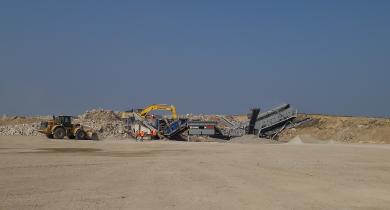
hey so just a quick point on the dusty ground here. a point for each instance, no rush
(36, 173)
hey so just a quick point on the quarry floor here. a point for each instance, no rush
(36, 173)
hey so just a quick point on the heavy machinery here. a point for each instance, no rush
(271, 123)
(266, 124)
(164, 107)
(61, 126)
(138, 119)
(146, 110)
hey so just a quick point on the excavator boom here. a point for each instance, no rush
(165, 107)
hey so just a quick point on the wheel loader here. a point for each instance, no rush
(61, 126)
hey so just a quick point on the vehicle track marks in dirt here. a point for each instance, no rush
(100, 152)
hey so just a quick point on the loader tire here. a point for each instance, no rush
(94, 137)
(80, 134)
(59, 133)
(49, 136)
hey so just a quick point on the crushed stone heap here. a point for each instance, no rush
(20, 130)
(100, 115)
(106, 123)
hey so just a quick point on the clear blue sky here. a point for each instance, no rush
(203, 56)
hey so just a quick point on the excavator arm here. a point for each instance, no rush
(164, 107)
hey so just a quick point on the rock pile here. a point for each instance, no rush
(99, 115)
(105, 122)
(20, 130)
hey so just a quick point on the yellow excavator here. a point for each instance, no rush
(165, 107)
(146, 110)
(137, 120)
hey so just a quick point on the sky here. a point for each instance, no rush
(223, 57)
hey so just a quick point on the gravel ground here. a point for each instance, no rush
(36, 173)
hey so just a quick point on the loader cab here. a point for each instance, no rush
(66, 121)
